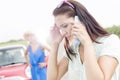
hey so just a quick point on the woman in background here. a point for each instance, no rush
(35, 56)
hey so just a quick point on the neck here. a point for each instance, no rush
(34, 42)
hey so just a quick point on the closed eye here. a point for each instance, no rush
(64, 26)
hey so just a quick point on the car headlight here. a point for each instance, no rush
(28, 72)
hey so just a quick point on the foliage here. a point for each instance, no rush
(13, 42)
(114, 30)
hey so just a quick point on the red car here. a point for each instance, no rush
(13, 65)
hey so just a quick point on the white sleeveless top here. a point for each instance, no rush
(110, 46)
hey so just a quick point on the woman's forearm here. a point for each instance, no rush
(27, 60)
(92, 67)
(52, 63)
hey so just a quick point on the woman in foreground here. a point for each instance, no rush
(91, 52)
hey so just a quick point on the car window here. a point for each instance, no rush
(12, 56)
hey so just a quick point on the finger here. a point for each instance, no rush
(74, 34)
(75, 26)
(78, 25)
(53, 27)
(54, 30)
(75, 30)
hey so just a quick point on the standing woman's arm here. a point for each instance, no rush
(46, 48)
(26, 56)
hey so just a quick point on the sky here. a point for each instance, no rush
(19, 16)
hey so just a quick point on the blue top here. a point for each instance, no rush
(35, 58)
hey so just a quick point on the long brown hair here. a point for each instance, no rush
(92, 26)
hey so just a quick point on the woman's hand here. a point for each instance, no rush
(56, 35)
(79, 31)
(29, 65)
(41, 65)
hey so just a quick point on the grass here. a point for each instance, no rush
(13, 42)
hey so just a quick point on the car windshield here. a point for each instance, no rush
(12, 56)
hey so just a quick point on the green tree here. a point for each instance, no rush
(114, 30)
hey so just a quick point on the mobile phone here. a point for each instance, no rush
(77, 19)
(75, 45)
(77, 41)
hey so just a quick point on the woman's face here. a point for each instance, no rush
(29, 37)
(64, 24)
